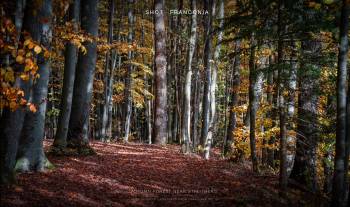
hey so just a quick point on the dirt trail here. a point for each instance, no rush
(143, 175)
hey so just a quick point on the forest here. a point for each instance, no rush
(177, 103)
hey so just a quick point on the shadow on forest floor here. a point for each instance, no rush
(147, 175)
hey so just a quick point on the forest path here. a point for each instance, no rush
(143, 175)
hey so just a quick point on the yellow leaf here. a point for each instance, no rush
(24, 77)
(46, 54)
(30, 45)
(37, 49)
(20, 59)
(27, 42)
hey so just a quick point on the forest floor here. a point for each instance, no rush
(148, 175)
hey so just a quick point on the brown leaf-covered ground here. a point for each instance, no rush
(148, 175)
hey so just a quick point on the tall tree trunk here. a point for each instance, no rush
(70, 58)
(196, 107)
(234, 98)
(304, 169)
(283, 177)
(160, 109)
(205, 142)
(78, 132)
(186, 118)
(290, 104)
(128, 82)
(269, 115)
(31, 154)
(108, 77)
(340, 172)
(11, 122)
(255, 81)
(214, 71)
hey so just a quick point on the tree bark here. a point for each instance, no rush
(11, 122)
(108, 79)
(255, 81)
(31, 154)
(70, 58)
(160, 108)
(128, 81)
(78, 131)
(304, 169)
(186, 117)
(205, 139)
(340, 172)
(234, 99)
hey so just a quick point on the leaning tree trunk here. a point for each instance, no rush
(340, 173)
(186, 117)
(160, 108)
(31, 154)
(70, 60)
(83, 85)
(11, 122)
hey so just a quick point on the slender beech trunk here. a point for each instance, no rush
(107, 77)
(214, 71)
(196, 107)
(290, 104)
(31, 154)
(254, 79)
(283, 176)
(128, 82)
(78, 132)
(205, 142)
(304, 169)
(160, 109)
(340, 173)
(269, 115)
(234, 99)
(70, 60)
(186, 118)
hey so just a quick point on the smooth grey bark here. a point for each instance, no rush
(31, 154)
(196, 107)
(11, 122)
(128, 81)
(160, 108)
(342, 135)
(205, 142)
(290, 104)
(214, 71)
(281, 87)
(78, 131)
(108, 79)
(70, 61)
(304, 169)
(255, 90)
(148, 105)
(234, 99)
(186, 117)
